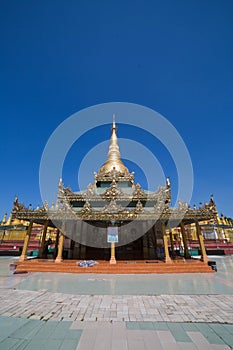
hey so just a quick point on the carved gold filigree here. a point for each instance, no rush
(139, 207)
(139, 192)
(113, 207)
(112, 193)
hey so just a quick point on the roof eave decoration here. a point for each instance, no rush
(117, 212)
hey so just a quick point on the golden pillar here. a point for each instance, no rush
(60, 248)
(23, 256)
(200, 237)
(165, 242)
(41, 250)
(113, 258)
(184, 238)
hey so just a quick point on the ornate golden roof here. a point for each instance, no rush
(113, 161)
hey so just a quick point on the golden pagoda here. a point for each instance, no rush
(143, 223)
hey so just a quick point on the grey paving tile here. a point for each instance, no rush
(161, 326)
(44, 331)
(220, 347)
(179, 333)
(9, 344)
(167, 340)
(27, 330)
(73, 334)
(60, 331)
(135, 340)
(223, 333)
(69, 344)
(151, 340)
(8, 325)
(229, 327)
(200, 341)
(103, 339)
(186, 346)
(146, 325)
(192, 327)
(39, 344)
(87, 340)
(210, 334)
(119, 334)
(133, 325)
(119, 344)
(22, 344)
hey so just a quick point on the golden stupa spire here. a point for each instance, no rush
(113, 121)
(114, 152)
(114, 158)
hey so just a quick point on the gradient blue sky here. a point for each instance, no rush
(58, 57)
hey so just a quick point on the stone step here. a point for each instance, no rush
(119, 268)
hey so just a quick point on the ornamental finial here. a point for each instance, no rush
(113, 122)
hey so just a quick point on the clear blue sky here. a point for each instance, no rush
(58, 57)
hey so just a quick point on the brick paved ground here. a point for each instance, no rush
(43, 305)
(33, 319)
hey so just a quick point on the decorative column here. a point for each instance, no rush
(184, 238)
(200, 237)
(23, 256)
(165, 242)
(60, 248)
(113, 259)
(41, 250)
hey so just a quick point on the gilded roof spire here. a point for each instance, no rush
(114, 152)
(114, 158)
(113, 121)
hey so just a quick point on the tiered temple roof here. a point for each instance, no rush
(115, 196)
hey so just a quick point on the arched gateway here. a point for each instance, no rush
(115, 219)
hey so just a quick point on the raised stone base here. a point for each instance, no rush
(121, 267)
(23, 258)
(112, 261)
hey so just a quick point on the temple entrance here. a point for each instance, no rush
(93, 253)
(130, 251)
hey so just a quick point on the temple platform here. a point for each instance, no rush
(121, 267)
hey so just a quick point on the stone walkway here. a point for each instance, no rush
(43, 305)
(72, 312)
(29, 334)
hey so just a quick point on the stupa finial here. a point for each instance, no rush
(113, 122)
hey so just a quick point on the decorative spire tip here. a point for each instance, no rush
(113, 122)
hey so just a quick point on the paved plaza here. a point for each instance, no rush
(90, 312)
